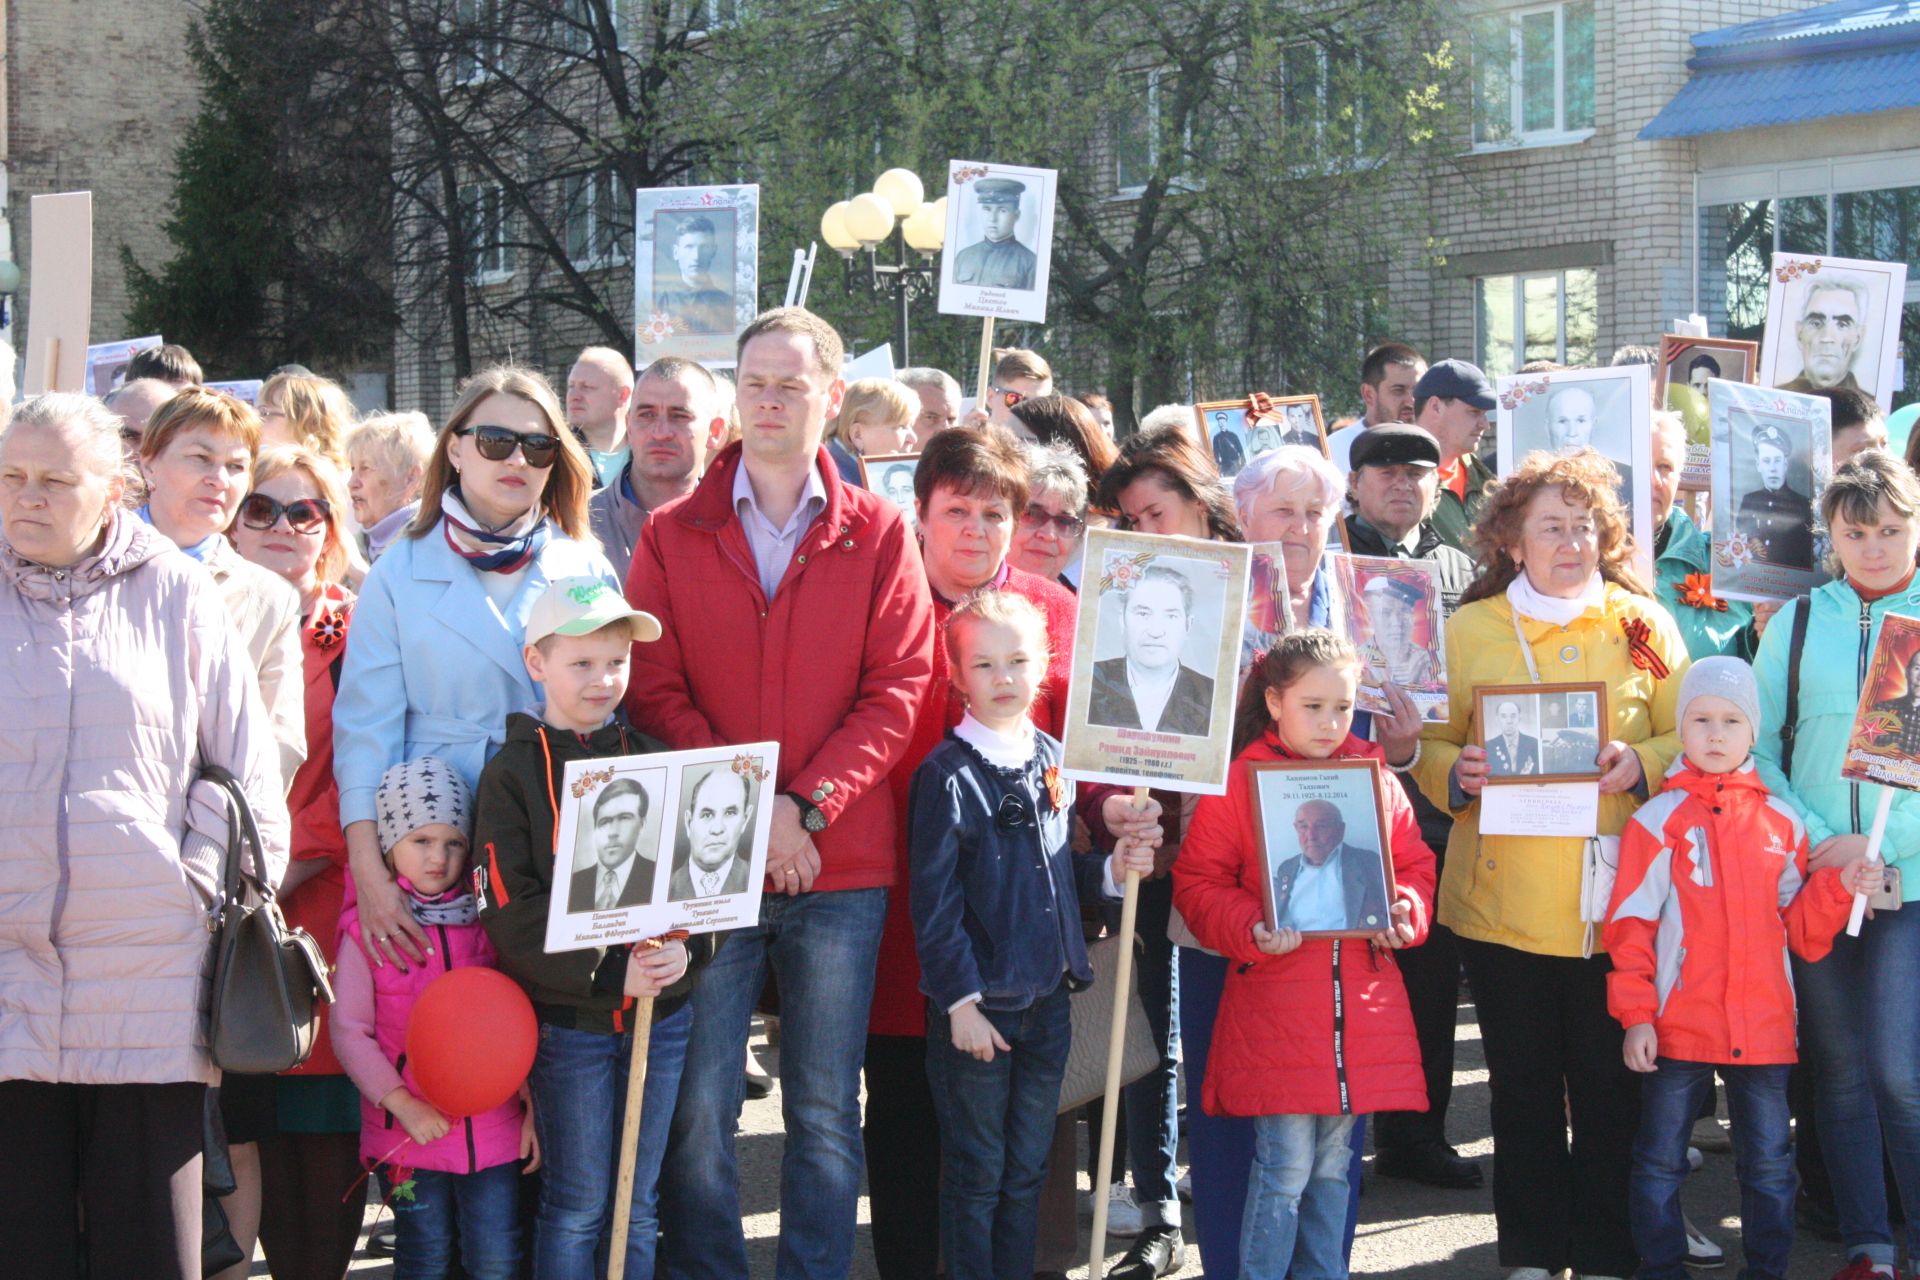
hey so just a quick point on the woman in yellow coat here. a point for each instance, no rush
(1557, 600)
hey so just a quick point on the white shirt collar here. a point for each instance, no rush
(813, 500)
(1002, 750)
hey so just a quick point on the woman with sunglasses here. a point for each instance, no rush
(435, 665)
(290, 525)
(1052, 529)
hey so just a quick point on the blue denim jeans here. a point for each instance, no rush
(1670, 1100)
(479, 1210)
(996, 1127)
(1297, 1199)
(579, 1085)
(1152, 1103)
(823, 948)
(1860, 1037)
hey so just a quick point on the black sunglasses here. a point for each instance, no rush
(304, 515)
(1064, 525)
(496, 444)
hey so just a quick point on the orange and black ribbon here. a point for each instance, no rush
(1639, 650)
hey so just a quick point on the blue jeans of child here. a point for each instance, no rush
(1670, 1101)
(479, 1210)
(1297, 1201)
(823, 948)
(996, 1126)
(579, 1085)
(1860, 1037)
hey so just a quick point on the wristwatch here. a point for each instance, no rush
(810, 816)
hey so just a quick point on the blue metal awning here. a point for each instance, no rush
(1841, 59)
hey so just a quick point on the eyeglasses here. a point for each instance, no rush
(1013, 397)
(496, 444)
(304, 515)
(1037, 517)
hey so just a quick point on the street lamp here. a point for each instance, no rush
(895, 210)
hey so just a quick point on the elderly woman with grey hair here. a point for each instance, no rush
(1292, 496)
(1048, 540)
(387, 459)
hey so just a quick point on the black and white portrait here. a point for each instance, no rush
(1161, 626)
(713, 853)
(1513, 738)
(998, 259)
(891, 476)
(1223, 426)
(999, 241)
(1771, 476)
(1832, 322)
(614, 858)
(696, 267)
(1540, 733)
(1323, 845)
(693, 269)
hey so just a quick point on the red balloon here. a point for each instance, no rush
(470, 1041)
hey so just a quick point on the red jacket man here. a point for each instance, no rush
(795, 609)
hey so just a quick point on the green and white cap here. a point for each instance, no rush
(581, 606)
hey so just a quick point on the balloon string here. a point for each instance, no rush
(368, 1173)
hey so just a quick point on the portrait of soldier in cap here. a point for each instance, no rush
(687, 288)
(1392, 653)
(998, 261)
(1776, 517)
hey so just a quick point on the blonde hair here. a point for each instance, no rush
(872, 400)
(340, 560)
(1018, 362)
(317, 410)
(1006, 608)
(225, 415)
(569, 479)
(399, 442)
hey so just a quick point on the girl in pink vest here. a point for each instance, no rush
(451, 1179)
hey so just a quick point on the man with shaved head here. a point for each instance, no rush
(598, 387)
(135, 402)
(1331, 884)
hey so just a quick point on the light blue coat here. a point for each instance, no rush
(1837, 649)
(432, 667)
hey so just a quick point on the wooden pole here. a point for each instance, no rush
(52, 380)
(1874, 839)
(1116, 1043)
(985, 378)
(630, 1137)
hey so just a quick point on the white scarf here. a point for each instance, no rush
(1529, 603)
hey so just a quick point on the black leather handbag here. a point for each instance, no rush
(268, 980)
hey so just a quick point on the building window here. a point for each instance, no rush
(1145, 140)
(577, 23)
(596, 236)
(483, 211)
(1321, 102)
(477, 38)
(711, 15)
(1541, 315)
(1533, 75)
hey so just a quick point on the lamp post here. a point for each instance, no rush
(896, 210)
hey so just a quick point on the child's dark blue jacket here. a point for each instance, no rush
(995, 889)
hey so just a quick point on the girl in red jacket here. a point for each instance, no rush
(1315, 1031)
(1711, 892)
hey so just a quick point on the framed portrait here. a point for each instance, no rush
(1833, 322)
(999, 241)
(1885, 745)
(1238, 431)
(107, 362)
(1394, 616)
(1542, 732)
(1326, 866)
(648, 844)
(1223, 426)
(1772, 454)
(1268, 612)
(247, 389)
(1609, 410)
(891, 476)
(1159, 632)
(1680, 380)
(696, 268)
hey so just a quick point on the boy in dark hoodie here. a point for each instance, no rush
(579, 638)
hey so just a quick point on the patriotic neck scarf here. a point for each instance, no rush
(455, 905)
(507, 550)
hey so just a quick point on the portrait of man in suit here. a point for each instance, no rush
(619, 877)
(712, 860)
(1149, 687)
(1330, 885)
(1511, 753)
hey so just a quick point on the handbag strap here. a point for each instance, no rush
(1796, 645)
(242, 833)
(1526, 650)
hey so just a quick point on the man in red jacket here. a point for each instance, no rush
(794, 609)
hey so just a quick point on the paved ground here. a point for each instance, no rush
(1405, 1230)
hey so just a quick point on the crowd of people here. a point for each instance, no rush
(397, 636)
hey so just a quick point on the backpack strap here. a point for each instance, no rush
(1796, 645)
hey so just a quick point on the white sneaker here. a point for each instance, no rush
(1701, 1252)
(1184, 1187)
(1694, 1159)
(1123, 1215)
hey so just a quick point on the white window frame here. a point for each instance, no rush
(489, 264)
(479, 60)
(1356, 154)
(1559, 135)
(574, 17)
(1124, 191)
(601, 193)
(704, 17)
(1519, 317)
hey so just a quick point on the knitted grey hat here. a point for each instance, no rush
(1720, 677)
(417, 793)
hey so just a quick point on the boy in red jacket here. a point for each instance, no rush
(1712, 889)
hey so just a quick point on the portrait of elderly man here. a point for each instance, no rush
(1330, 884)
(1149, 687)
(1830, 330)
(998, 260)
(1511, 753)
(1776, 517)
(1392, 654)
(694, 296)
(1571, 415)
(713, 860)
(618, 877)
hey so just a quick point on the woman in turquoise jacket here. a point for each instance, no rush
(1859, 1022)
(433, 667)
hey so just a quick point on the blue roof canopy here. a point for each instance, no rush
(1846, 58)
